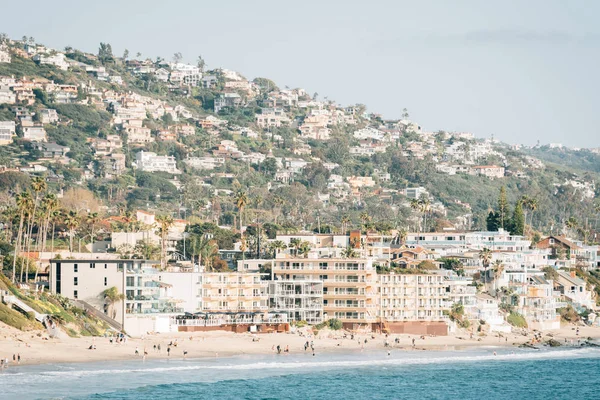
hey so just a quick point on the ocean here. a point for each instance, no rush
(473, 374)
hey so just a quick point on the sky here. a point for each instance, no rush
(521, 71)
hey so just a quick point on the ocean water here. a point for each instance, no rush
(478, 374)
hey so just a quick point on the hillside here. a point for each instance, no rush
(82, 121)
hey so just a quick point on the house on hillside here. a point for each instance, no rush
(575, 289)
(48, 116)
(35, 133)
(561, 247)
(52, 150)
(231, 100)
(7, 131)
(490, 171)
(151, 162)
(4, 54)
(57, 59)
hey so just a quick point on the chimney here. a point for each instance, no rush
(573, 274)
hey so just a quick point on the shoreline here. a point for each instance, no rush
(39, 350)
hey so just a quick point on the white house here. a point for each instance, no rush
(34, 133)
(7, 131)
(58, 60)
(151, 162)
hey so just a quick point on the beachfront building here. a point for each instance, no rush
(575, 290)
(150, 297)
(537, 300)
(234, 292)
(412, 303)
(300, 300)
(349, 285)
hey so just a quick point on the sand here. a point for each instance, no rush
(36, 348)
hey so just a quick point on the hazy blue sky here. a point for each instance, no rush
(521, 70)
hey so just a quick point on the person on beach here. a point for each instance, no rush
(184, 354)
(278, 349)
(158, 347)
(137, 352)
(168, 351)
(19, 358)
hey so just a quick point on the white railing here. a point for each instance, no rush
(224, 321)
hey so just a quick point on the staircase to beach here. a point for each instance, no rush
(13, 301)
(98, 314)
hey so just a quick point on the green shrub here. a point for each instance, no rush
(516, 320)
(335, 324)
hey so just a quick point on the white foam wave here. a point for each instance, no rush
(311, 365)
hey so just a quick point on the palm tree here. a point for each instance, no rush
(414, 204)
(345, 221)
(402, 236)
(164, 224)
(424, 207)
(485, 256)
(71, 222)
(241, 200)
(207, 252)
(349, 252)
(49, 205)
(277, 246)
(278, 201)
(572, 224)
(295, 244)
(304, 249)
(111, 297)
(498, 270)
(92, 219)
(38, 185)
(23, 204)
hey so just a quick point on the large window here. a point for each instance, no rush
(75, 281)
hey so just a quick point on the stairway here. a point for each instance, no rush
(13, 301)
(98, 314)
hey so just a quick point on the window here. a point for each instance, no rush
(75, 268)
(75, 281)
(105, 266)
(105, 281)
(75, 294)
(92, 265)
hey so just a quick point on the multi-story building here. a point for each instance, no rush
(300, 300)
(349, 285)
(412, 299)
(234, 292)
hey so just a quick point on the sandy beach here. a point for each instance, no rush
(36, 348)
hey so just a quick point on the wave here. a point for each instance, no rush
(370, 362)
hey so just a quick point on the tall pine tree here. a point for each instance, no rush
(503, 210)
(518, 220)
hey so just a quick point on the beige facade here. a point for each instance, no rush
(349, 285)
(412, 297)
(234, 292)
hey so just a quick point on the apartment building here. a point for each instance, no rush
(349, 285)
(300, 300)
(413, 298)
(235, 292)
